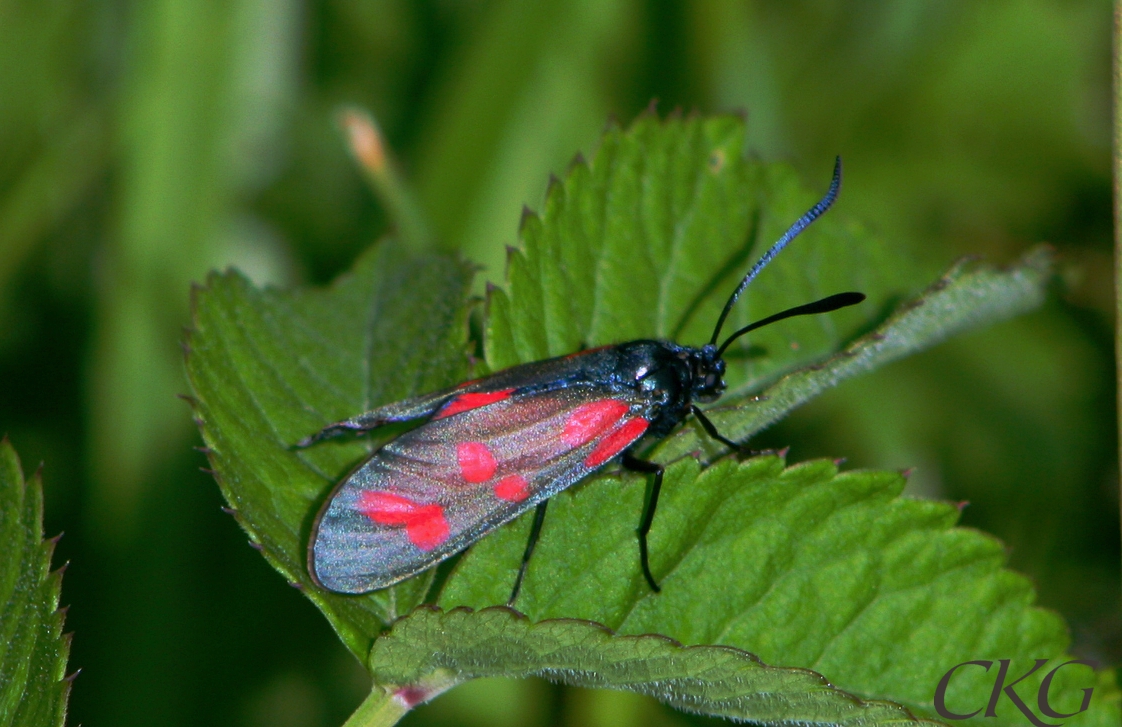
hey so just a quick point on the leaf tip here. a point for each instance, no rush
(511, 253)
(528, 214)
(197, 290)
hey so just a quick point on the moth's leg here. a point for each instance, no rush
(711, 430)
(635, 464)
(535, 532)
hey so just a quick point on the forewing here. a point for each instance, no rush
(440, 487)
(537, 375)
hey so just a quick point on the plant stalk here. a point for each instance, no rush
(379, 709)
(368, 147)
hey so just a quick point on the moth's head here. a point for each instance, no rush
(708, 374)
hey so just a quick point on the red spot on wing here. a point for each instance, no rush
(425, 525)
(429, 532)
(512, 488)
(477, 464)
(467, 402)
(591, 420)
(616, 442)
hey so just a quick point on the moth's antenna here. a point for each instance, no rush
(832, 303)
(800, 224)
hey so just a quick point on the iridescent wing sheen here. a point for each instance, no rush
(482, 460)
(536, 375)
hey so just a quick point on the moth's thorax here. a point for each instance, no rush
(671, 376)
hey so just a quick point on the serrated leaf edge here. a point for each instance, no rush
(572, 676)
(46, 579)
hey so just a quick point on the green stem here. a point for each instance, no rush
(386, 705)
(368, 147)
(380, 709)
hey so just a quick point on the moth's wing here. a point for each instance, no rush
(468, 395)
(398, 411)
(442, 486)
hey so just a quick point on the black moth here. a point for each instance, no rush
(495, 447)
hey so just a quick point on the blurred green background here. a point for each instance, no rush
(143, 143)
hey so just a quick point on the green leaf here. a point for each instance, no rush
(804, 566)
(269, 367)
(967, 296)
(702, 679)
(651, 237)
(33, 650)
(605, 262)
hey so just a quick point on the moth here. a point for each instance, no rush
(495, 447)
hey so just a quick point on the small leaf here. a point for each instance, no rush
(267, 368)
(703, 679)
(33, 650)
(967, 296)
